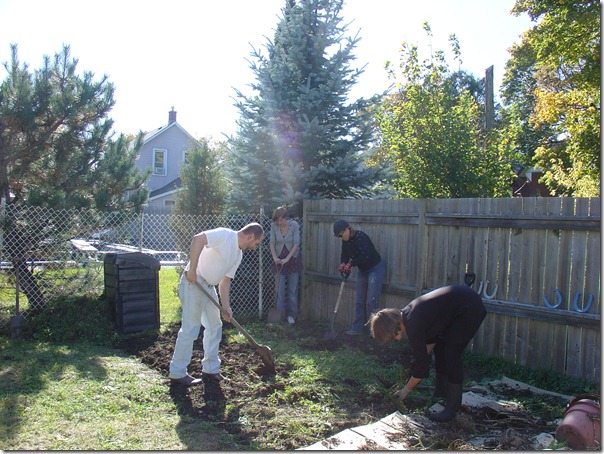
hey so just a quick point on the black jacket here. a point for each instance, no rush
(449, 314)
(360, 251)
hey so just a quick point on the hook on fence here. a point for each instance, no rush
(492, 295)
(479, 291)
(469, 279)
(558, 300)
(590, 299)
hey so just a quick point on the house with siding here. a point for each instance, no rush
(527, 184)
(163, 152)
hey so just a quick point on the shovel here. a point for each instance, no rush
(331, 334)
(263, 350)
(274, 314)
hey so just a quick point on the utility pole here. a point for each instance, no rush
(489, 102)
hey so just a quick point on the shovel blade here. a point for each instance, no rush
(267, 357)
(331, 334)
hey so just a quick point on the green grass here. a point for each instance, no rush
(314, 392)
(493, 368)
(74, 397)
(168, 296)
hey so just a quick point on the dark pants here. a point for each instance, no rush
(447, 354)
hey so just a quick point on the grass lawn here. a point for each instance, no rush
(84, 397)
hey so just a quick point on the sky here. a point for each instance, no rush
(192, 54)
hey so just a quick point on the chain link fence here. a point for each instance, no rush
(49, 255)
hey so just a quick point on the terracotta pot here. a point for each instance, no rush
(580, 427)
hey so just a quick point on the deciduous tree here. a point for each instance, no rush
(433, 128)
(552, 88)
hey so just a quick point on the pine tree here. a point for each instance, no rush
(298, 135)
(56, 144)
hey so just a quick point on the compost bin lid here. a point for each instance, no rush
(134, 257)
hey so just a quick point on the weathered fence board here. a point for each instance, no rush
(525, 247)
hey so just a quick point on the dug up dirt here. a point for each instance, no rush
(490, 419)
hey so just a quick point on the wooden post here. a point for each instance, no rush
(489, 101)
(422, 237)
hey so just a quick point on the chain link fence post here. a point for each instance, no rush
(141, 230)
(260, 266)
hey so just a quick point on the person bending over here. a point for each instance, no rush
(444, 321)
(214, 257)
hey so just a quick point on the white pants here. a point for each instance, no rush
(197, 310)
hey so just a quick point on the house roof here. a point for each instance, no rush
(156, 132)
(172, 186)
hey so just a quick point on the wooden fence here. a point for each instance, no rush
(536, 259)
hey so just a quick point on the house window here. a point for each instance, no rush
(160, 162)
(169, 203)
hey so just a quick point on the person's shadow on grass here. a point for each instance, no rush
(206, 401)
(197, 406)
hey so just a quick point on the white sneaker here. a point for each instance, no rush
(291, 320)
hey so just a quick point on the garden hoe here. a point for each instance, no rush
(331, 334)
(274, 314)
(263, 350)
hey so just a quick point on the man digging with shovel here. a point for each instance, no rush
(444, 321)
(214, 257)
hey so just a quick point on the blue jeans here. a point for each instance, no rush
(368, 289)
(287, 304)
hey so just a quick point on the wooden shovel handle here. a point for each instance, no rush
(233, 321)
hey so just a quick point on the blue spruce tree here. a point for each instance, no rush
(298, 135)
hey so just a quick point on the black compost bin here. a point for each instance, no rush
(132, 288)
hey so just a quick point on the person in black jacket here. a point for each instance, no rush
(444, 321)
(359, 251)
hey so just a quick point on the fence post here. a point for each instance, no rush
(260, 267)
(140, 233)
(422, 241)
(2, 219)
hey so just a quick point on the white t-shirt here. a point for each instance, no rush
(220, 257)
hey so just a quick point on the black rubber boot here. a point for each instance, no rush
(453, 404)
(441, 385)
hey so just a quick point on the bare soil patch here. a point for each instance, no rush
(224, 404)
